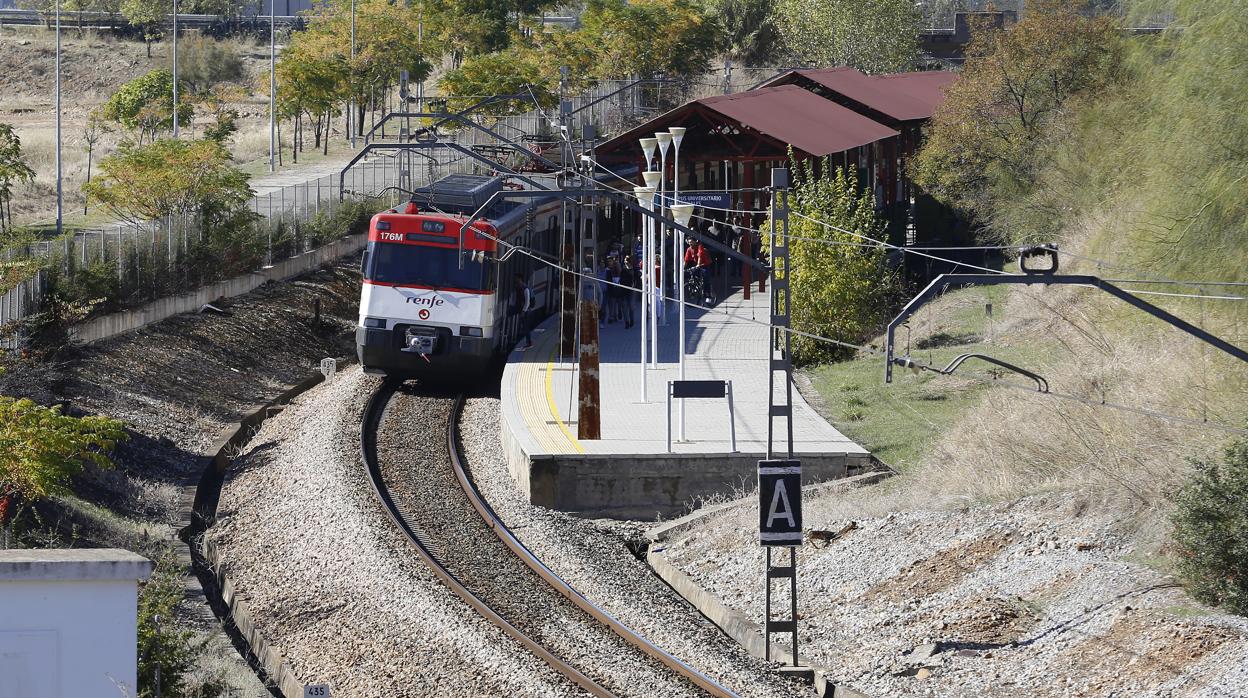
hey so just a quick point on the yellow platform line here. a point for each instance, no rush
(550, 401)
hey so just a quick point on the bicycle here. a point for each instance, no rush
(696, 287)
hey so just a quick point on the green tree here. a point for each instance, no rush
(13, 170)
(874, 36)
(747, 30)
(146, 104)
(143, 183)
(1211, 530)
(41, 449)
(648, 37)
(147, 15)
(984, 146)
(312, 79)
(840, 288)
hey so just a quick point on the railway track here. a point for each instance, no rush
(410, 445)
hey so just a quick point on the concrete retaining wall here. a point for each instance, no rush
(126, 320)
(641, 486)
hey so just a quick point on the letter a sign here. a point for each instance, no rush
(780, 502)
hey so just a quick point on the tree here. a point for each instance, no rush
(91, 137)
(647, 37)
(985, 139)
(840, 289)
(514, 70)
(147, 15)
(1211, 530)
(874, 36)
(41, 449)
(13, 170)
(146, 104)
(144, 183)
(747, 30)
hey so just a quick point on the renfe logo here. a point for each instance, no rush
(390, 237)
(427, 301)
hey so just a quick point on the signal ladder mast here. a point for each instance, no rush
(779, 480)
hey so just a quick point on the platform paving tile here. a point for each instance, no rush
(730, 344)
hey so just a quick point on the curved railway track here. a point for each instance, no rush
(497, 575)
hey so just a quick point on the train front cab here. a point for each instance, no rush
(422, 316)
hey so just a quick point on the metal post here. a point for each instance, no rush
(780, 342)
(678, 261)
(642, 277)
(663, 205)
(732, 419)
(60, 224)
(351, 105)
(175, 68)
(272, 86)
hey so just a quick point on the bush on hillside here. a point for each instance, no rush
(1211, 530)
(204, 62)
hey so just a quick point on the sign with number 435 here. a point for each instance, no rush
(318, 690)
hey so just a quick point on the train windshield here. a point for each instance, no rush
(418, 265)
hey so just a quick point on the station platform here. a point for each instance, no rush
(629, 473)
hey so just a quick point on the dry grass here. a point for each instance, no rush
(1013, 443)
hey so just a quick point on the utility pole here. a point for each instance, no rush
(351, 98)
(175, 68)
(589, 414)
(60, 219)
(272, 86)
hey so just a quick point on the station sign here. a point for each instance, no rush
(704, 199)
(780, 502)
(318, 690)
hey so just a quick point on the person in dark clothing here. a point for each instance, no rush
(628, 279)
(521, 306)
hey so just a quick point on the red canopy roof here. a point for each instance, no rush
(800, 118)
(901, 96)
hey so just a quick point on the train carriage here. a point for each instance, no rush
(423, 314)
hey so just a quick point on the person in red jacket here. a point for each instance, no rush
(698, 263)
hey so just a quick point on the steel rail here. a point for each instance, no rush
(554, 580)
(370, 423)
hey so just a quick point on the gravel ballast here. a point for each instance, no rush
(334, 584)
(1040, 596)
(418, 473)
(592, 556)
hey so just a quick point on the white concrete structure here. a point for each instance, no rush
(68, 623)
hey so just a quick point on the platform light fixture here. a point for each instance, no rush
(665, 142)
(645, 199)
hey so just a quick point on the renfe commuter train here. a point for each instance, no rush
(422, 315)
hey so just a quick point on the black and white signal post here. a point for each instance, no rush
(780, 480)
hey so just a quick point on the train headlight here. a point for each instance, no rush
(466, 331)
(375, 322)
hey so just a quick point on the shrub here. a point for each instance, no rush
(146, 104)
(204, 62)
(1211, 530)
(163, 646)
(41, 449)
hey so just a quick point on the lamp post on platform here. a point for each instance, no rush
(652, 181)
(647, 149)
(678, 261)
(645, 199)
(682, 213)
(665, 141)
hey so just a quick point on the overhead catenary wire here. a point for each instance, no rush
(1217, 426)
